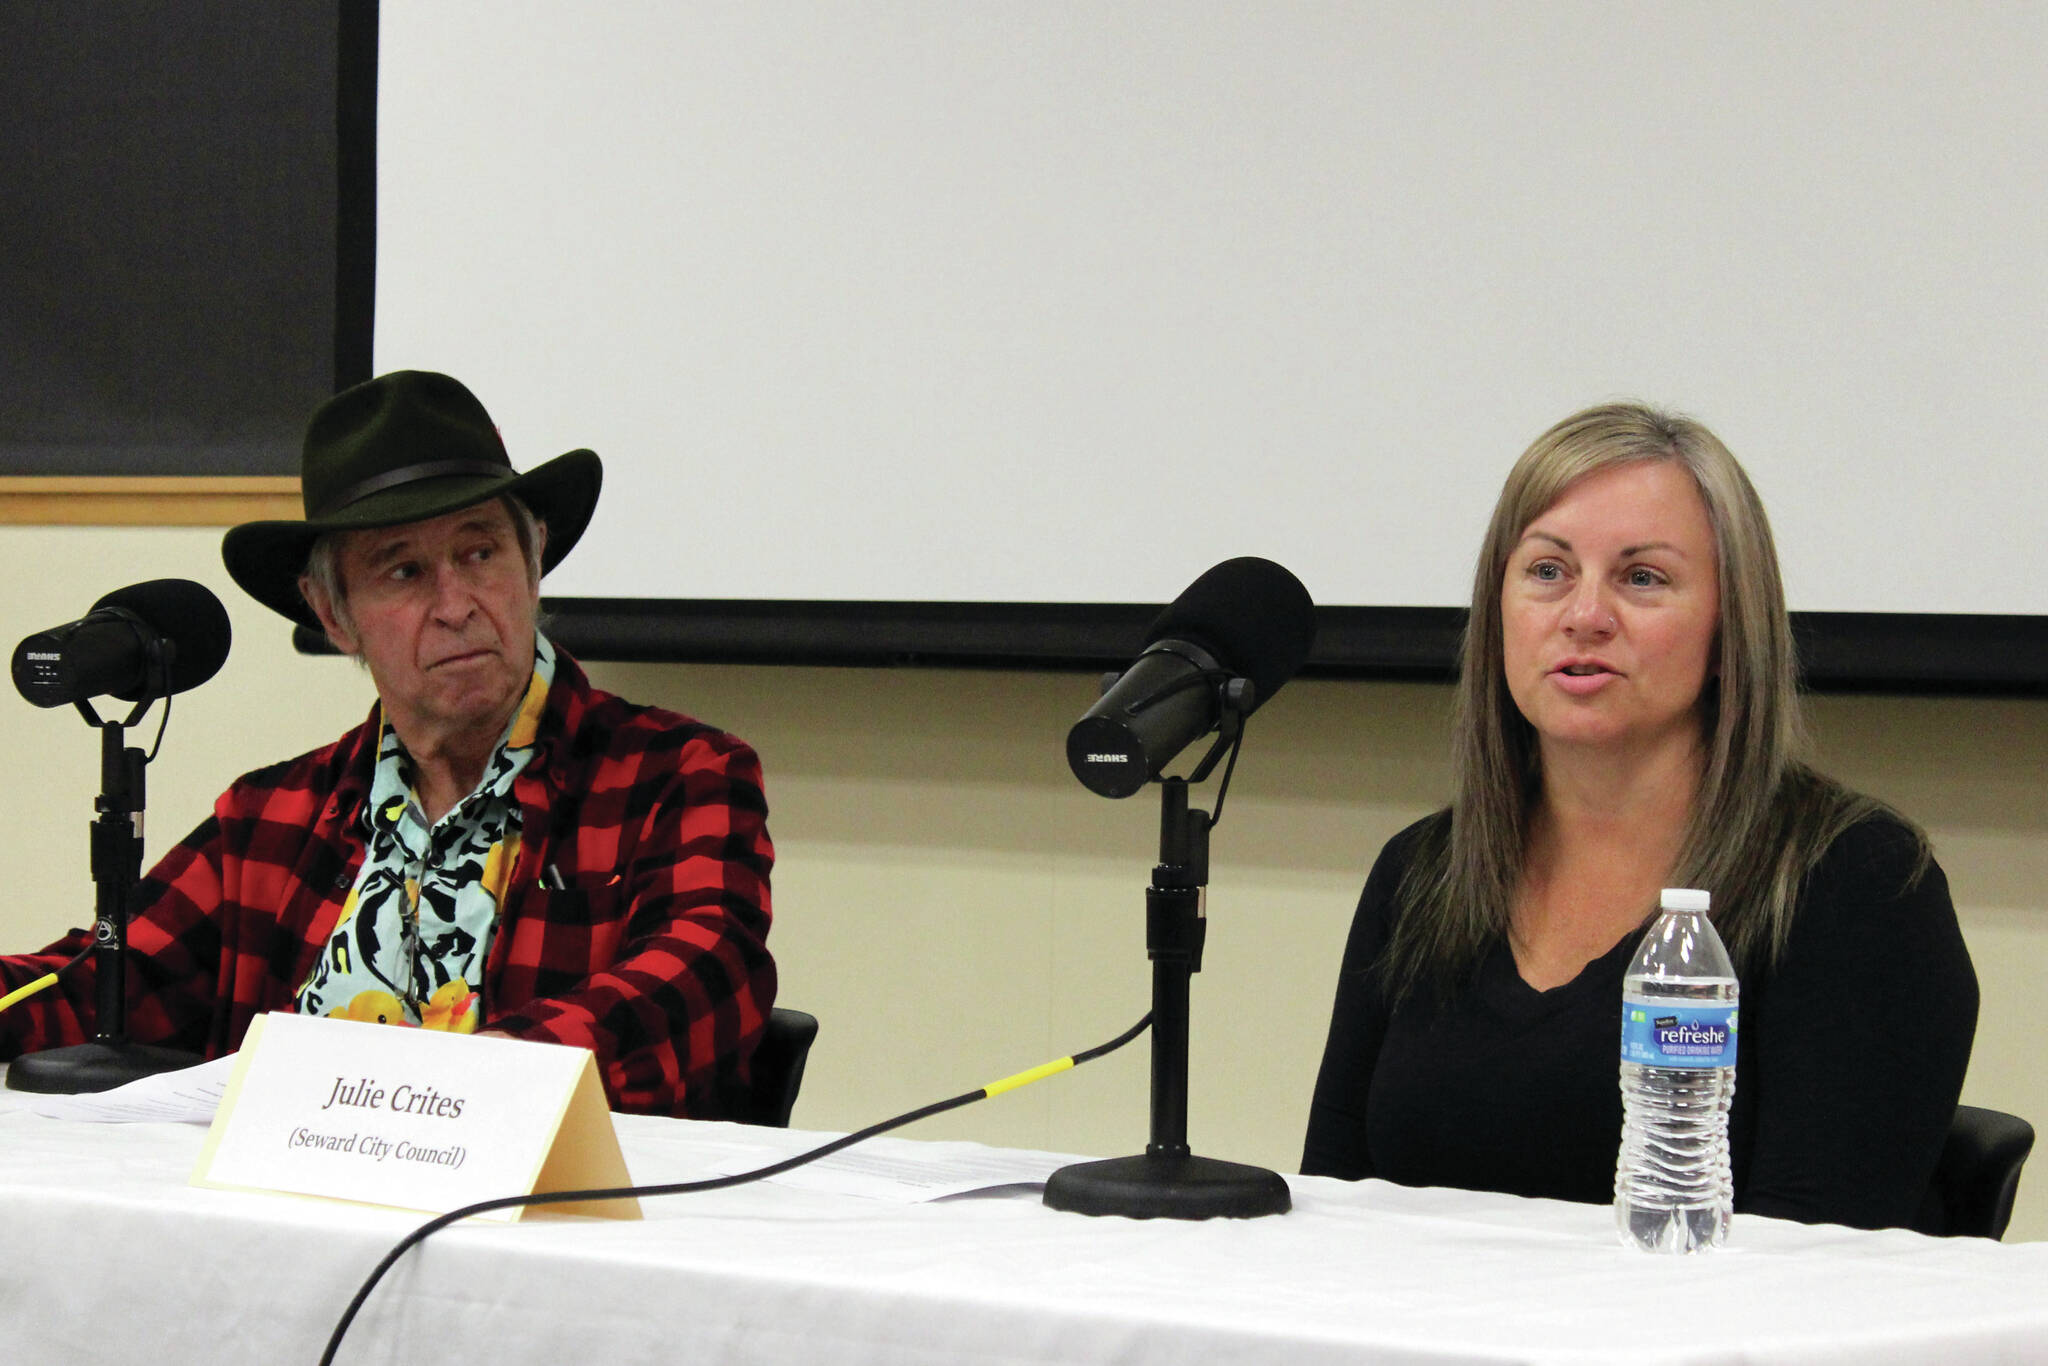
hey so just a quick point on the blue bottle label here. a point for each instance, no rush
(1658, 1034)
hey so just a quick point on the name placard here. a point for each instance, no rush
(414, 1118)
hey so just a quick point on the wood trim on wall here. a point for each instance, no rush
(185, 500)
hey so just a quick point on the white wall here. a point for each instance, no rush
(1100, 280)
(955, 907)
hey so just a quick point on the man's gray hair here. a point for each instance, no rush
(323, 562)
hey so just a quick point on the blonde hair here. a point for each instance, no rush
(1762, 816)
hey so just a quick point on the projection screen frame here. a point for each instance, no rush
(1895, 653)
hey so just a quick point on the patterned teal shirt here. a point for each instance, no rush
(410, 946)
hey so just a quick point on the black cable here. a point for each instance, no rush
(1229, 767)
(435, 1225)
(162, 724)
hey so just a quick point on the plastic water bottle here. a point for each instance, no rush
(1673, 1188)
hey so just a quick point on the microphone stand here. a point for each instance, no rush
(1167, 1180)
(110, 1059)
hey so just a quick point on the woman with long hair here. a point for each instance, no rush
(1628, 719)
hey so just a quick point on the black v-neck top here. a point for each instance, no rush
(1851, 1058)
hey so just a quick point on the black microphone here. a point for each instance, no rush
(1246, 618)
(147, 640)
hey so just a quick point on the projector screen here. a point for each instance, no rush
(1063, 303)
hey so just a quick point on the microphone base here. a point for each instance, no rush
(1168, 1186)
(90, 1067)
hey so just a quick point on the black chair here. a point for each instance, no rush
(778, 1069)
(1978, 1175)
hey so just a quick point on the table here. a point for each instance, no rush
(109, 1256)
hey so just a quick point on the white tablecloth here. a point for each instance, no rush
(110, 1256)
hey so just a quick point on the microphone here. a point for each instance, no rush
(145, 641)
(1246, 618)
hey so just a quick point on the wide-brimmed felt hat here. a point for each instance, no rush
(404, 447)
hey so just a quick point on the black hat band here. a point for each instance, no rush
(432, 469)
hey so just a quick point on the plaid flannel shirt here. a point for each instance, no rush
(651, 953)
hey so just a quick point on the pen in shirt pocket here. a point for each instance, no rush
(552, 878)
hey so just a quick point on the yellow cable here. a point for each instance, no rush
(22, 994)
(1027, 1076)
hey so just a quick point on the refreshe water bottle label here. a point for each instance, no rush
(1658, 1034)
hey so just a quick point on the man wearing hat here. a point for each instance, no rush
(500, 847)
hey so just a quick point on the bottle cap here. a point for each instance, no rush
(1684, 899)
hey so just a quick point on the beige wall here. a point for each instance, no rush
(955, 907)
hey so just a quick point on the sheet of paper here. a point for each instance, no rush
(187, 1096)
(907, 1173)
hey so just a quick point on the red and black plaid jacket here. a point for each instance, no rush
(651, 953)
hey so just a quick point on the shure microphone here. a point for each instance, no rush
(1246, 618)
(148, 640)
